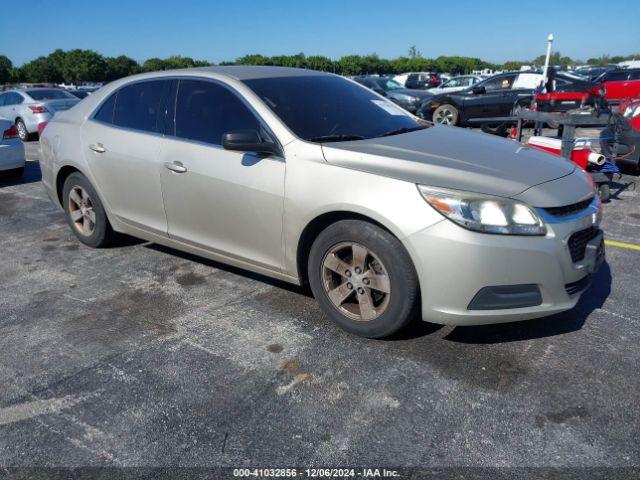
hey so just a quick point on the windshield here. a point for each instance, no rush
(330, 108)
(388, 84)
(49, 94)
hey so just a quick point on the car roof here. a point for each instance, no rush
(251, 72)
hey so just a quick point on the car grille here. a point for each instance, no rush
(579, 286)
(569, 209)
(578, 242)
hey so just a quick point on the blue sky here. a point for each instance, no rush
(224, 30)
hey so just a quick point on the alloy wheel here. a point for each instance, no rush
(444, 116)
(356, 281)
(81, 211)
(22, 131)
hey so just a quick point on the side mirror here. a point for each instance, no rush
(478, 90)
(248, 141)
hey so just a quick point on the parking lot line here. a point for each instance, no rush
(614, 243)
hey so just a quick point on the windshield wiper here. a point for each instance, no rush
(335, 138)
(398, 131)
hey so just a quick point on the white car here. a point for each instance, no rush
(455, 84)
(12, 157)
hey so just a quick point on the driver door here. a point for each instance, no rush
(226, 202)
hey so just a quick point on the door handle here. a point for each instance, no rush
(176, 167)
(97, 147)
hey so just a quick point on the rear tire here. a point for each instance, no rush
(23, 133)
(85, 214)
(363, 279)
(446, 115)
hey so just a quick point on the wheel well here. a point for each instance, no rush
(313, 229)
(61, 178)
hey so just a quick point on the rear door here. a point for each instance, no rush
(226, 202)
(121, 143)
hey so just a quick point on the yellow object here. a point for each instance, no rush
(614, 243)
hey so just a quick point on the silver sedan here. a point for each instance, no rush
(28, 108)
(313, 179)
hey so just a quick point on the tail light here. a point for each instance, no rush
(38, 109)
(11, 132)
(41, 126)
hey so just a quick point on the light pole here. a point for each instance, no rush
(546, 60)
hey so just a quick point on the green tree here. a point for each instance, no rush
(153, 65)
(119, 67)
(414, 52)
(5, 69)
(253, 59)
(318, 62)
(556, 59)
(41, 70)
(513, 65)
(83, 66)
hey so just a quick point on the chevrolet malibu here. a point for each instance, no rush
(313, 179)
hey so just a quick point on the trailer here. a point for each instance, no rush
(568, 146)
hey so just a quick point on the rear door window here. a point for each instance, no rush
(635, 75)
(138, 106)
(206, 110)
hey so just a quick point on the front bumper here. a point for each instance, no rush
(455, 264)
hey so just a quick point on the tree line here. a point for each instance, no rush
(73, 66)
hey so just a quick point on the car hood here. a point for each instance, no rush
(460, 159)
(414, 92)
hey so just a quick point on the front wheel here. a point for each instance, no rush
(605, 192)
(363, 278)
(446, 115)
(85, 214)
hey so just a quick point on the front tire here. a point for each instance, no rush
(446, 115)
(85, 214)
(605, 192)
(363, 278)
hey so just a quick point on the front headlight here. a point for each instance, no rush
(484, 213)
(406, 98)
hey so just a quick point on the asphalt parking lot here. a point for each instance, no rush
(143, 356)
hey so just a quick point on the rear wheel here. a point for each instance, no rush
(23, 133)
(446, 115)
(363, 278)
(85, 213)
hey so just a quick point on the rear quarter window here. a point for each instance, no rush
(138, 106)
(105, 112)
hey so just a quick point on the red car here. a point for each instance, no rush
(620, 84)
(569, 92)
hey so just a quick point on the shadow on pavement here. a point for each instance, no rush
(31, 174)
(228, 268)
